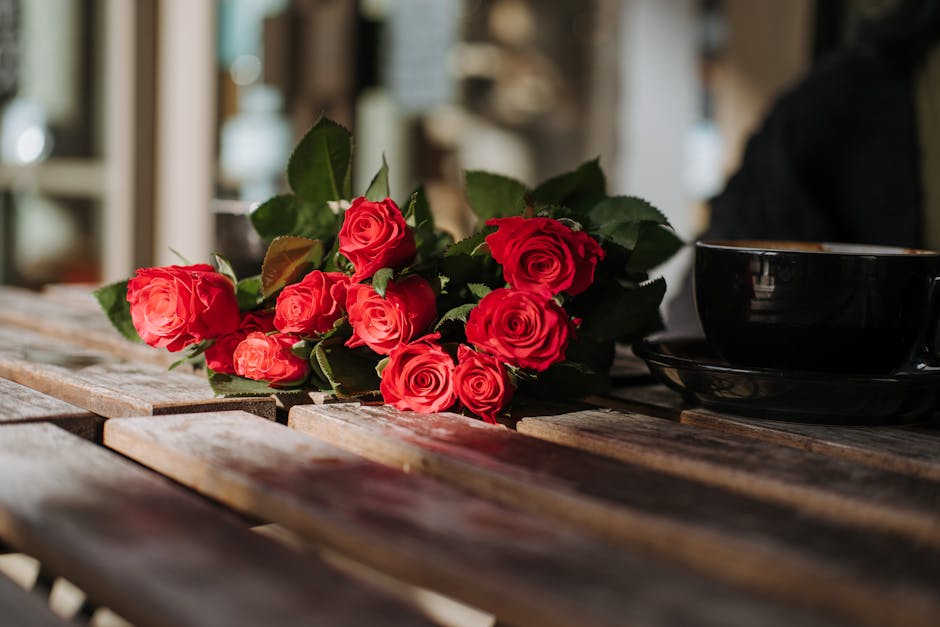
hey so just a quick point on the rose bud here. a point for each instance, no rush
(177, 306)
(382, 324)
(311, 306)
(482, 383)
(419, 377)
(269, 358)
(544, 254)
(374, 235)
(219, 356)
(525, 329)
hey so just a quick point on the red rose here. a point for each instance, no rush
(268, 358)
(382, 324)
(219, 355)
(313, 305)
(544, 254)
(526, 329)
(482, 383)
(419, 377)
(176, 306)
(374, 236)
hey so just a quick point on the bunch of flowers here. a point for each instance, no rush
(357, 296)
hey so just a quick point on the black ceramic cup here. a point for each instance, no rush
(818, 306)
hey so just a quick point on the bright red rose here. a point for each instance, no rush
(268, 358)
(544, 254)
(482, 383)
(176, 306)
(374, 236)
(313, 305)
(219, 356)
(525, 329)
(420, 377)
(382, 324)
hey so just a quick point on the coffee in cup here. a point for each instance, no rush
(818, 306)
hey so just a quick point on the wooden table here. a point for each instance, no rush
(171, 507)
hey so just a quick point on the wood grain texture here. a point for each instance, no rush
(20, 608)
(97, 382)
(866, 576)
(910, 450)
(156, 554)
(527, 570)
(837, 489)
(75, 322)
(19, 403)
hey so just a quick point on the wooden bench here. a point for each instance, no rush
(638, 510)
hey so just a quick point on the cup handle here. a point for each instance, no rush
(925, 356)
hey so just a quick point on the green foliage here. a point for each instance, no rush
(350, 372)
(288, 215)
(566, 381)
(288, 257)
(320, 168)
(460, 313)
(248, 292)
(378, 188)
(655, 244)
(225, 268)
(113, 300)
(579, 190)
(380, 280)
(494, 196)
(618, 219)
(232, 385)
(612, 311)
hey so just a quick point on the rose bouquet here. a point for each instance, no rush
(357, 296)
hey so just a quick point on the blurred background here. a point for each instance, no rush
(128, 127)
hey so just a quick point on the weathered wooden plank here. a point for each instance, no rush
(911, 450)
(865, 575)
(97, 382)
(75, 323)
(19, 403)
(525, 569)
(837, 489)
(19, 608)
(155, 554)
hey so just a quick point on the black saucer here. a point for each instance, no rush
(695, 370)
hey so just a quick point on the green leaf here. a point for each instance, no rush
(248, 292)
(191, 354)
(479, 289)
(567, 381)
(287, 258)
(494, 196)
(380, 280)
(472, 245)
(418, 211)
(655, 244)
(378, 188)
(320, 167)
(350, 371)
(458, 314)
(232, 385)
(225, 268)
(619, 219)
(302, 349)
(288, 215)
(613, 312)
(579, 190)
(113, 300)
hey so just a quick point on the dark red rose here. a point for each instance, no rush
(544, 254)
(419, 377)
(382, 324)
(525, 329)
(176, 306)
(219, 356)
(313, 305)
(268, 358)
(482, 383)
(374, 236)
